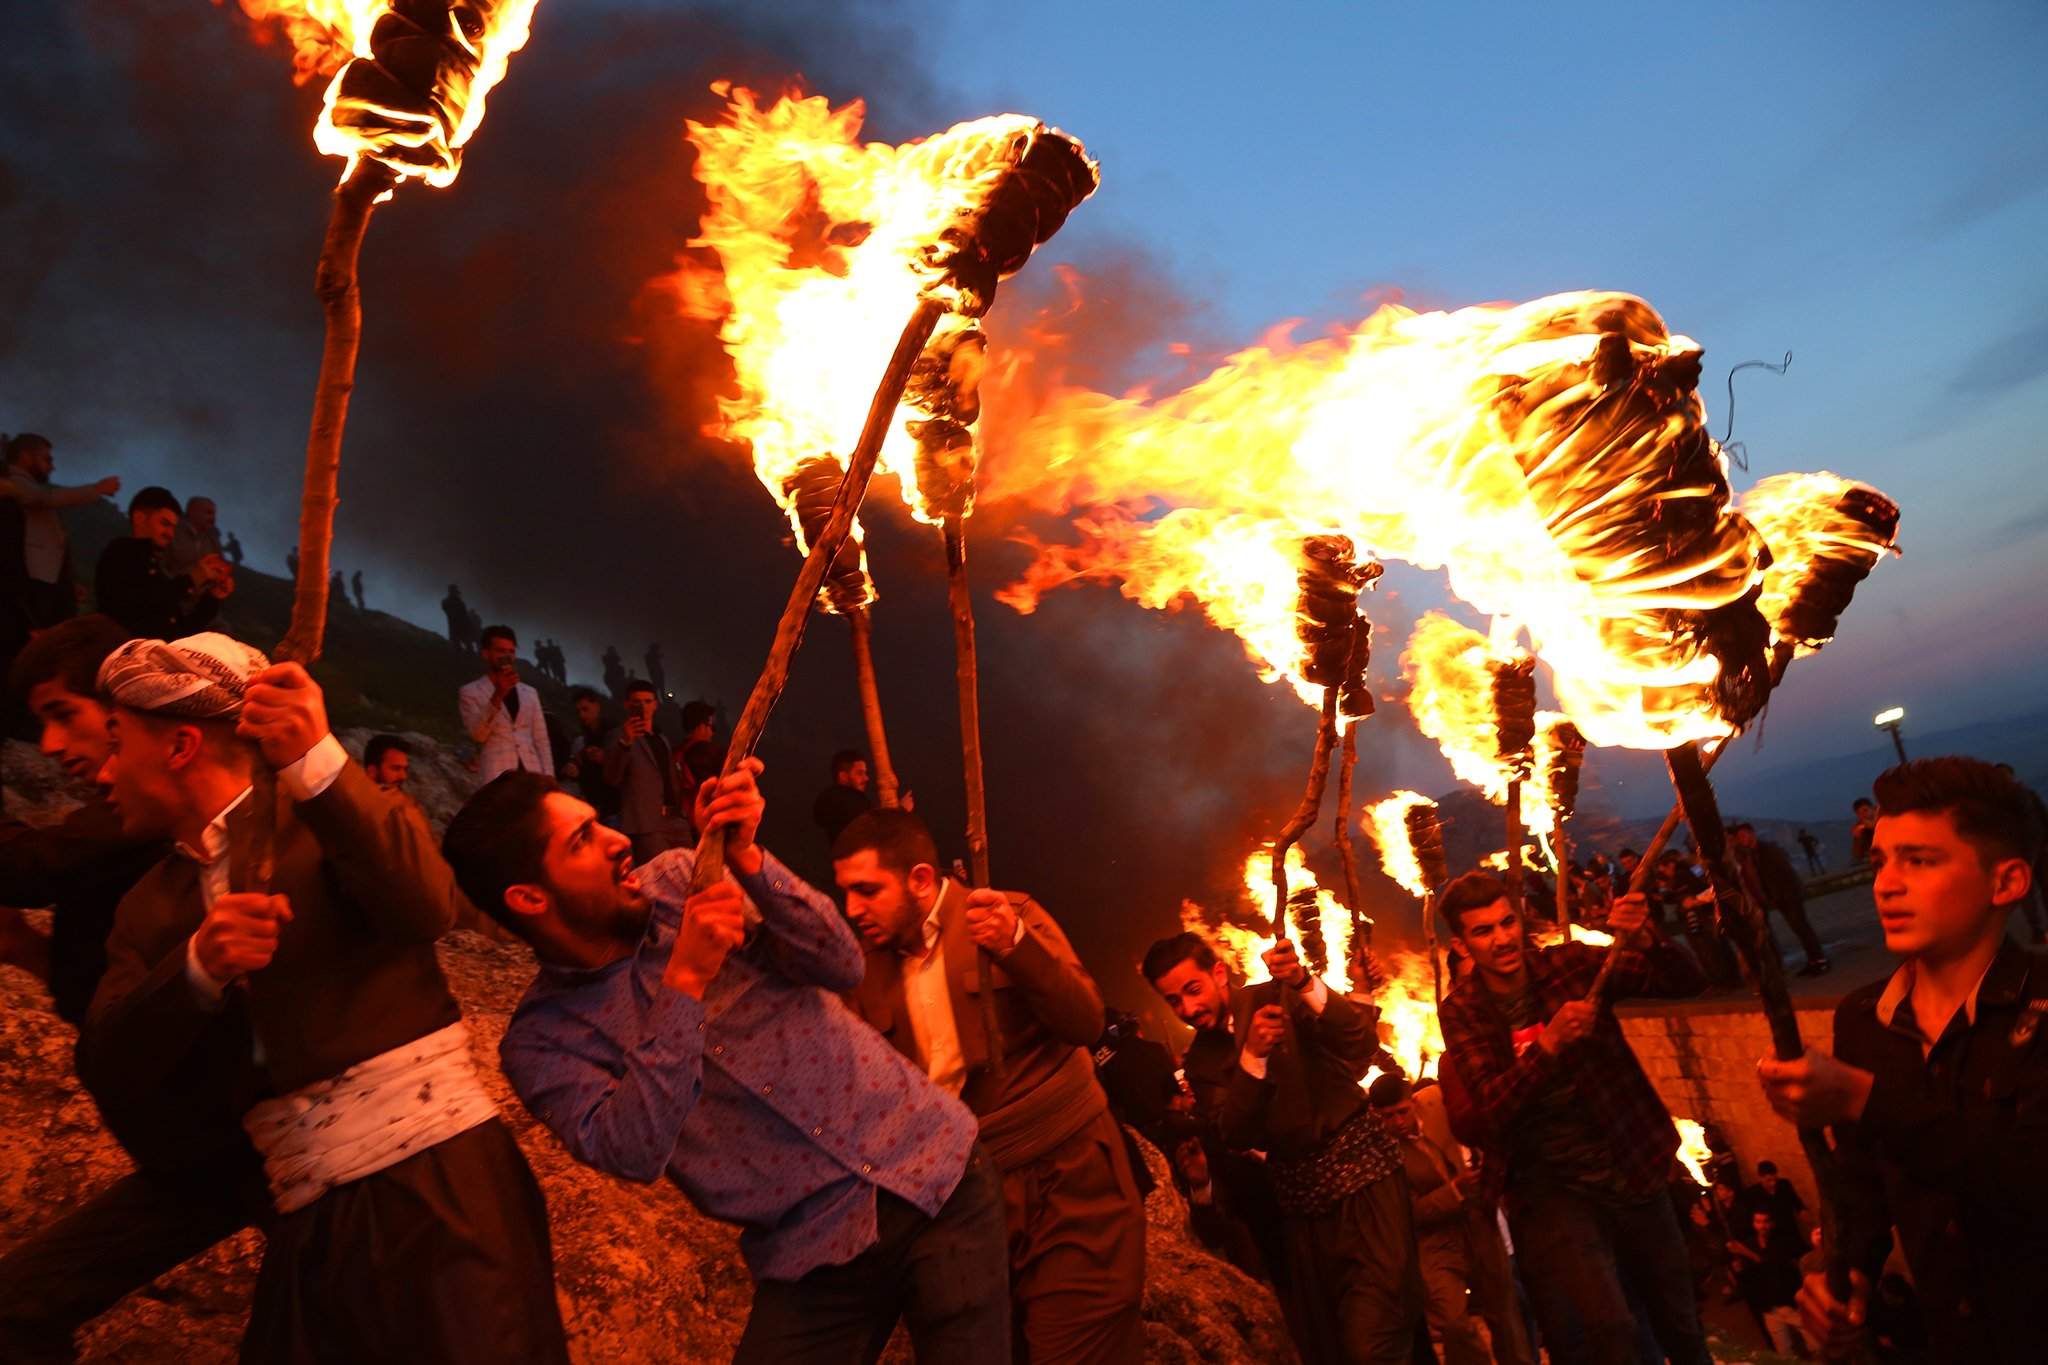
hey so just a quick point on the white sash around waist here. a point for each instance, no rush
(373, 1115)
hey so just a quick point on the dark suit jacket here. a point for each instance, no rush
(1310, 1089)
(1046, 1003)
(355, 973)
(1783, 887)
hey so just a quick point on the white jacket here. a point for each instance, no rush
(507, 743)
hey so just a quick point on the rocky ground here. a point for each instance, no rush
(640, 1275)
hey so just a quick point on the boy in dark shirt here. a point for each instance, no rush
(1939, 1080)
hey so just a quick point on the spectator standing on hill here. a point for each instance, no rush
(1776, 885)
(291, 563)
(234, 550)
(1810, 846)
(1865, 828)
(35, 553)
(614, 673)
(640, 765)
(847, 798)
(197, 536)
(131, 585)
(657, 674)
(502, 714)
(356, 582)
(337, 590)
(586, 755)
(457, 612)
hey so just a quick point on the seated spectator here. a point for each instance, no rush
(132, 586)
(1774, 1195)
(1767, 1276)
(197, 536)
(388, 760)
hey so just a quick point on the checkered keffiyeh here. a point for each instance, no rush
(201, 677)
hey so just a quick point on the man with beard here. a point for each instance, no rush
(35, 552)
(288, 946)
(1567, 1122)
(700, 1036)
(934, 949)
(182, 1196)
(1275, 1067)
(501, 713)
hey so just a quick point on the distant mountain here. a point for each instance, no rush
(1823, 788)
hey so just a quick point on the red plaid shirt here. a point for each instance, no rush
(1487, 1080)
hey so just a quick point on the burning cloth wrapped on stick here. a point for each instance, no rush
(407, 95)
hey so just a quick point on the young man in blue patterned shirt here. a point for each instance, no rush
(702, 1037)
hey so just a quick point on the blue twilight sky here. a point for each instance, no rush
(1865, 186)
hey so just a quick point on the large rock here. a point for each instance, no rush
(642, 1277)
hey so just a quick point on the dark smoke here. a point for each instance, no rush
(527, 414)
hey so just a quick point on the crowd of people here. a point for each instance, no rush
(907, 1092)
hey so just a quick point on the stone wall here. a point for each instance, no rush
(1702, 1056)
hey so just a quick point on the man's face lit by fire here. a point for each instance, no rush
(1401, 1117)
(1199, 998)
(74, 728)
(392, 769)
(157, 525)
(855, 775)
(588, 712)
(587, 885)
(1937, 894)
(141, 773)
(885, 907)
(1762, 1222)
(1492, 934)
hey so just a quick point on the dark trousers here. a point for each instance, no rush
(947, 1276)
(1585, 1258)
(1077, 1252)
(1794, 914)
(1354, 1286)
(136, 1229)
(442, 1259)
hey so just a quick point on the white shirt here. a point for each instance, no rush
(311, 775)
(1317, 995)
(508, 742)
(930, 1004)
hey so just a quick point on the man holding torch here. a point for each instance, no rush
(1076, 1219)
(287, 956)
(699, 1036)
(1938, 1083)
(1568, 1123)
(1275, 1067)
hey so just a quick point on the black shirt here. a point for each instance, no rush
(131, 586)
(81, 867)
(1950, 1152)
(837, 807)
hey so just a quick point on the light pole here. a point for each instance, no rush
(1890, 719)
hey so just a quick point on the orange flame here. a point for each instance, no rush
(1387, 822)
(817, 250)
(1475, 441)
(329, 36)
(1801, 518)
(1693, 1151)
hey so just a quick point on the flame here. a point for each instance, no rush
(1387, 822)
(1805, 520)
(814, 248)
(1451, 697)
(1693, 1151)
(1482, 441)
(422, 134)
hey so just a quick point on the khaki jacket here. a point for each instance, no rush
(355, 973)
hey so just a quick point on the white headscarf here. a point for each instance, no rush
(201, 677)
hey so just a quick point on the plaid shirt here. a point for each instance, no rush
(1487, 1082)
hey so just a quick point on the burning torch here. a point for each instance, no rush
(1411, 843)
(1561, 750)
(1026, 180)
(1336, 648)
